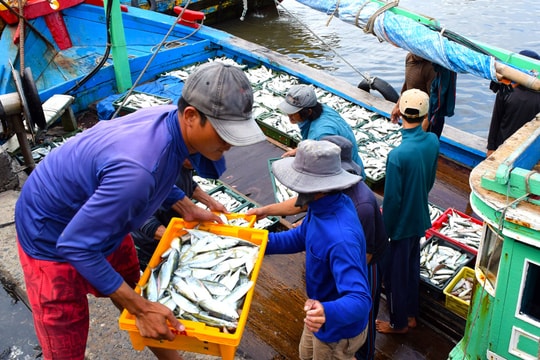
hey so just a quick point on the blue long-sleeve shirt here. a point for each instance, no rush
(87, 195)
(336, 274)
(331, 123)
(410, 174)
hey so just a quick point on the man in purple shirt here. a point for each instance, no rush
(77, 208)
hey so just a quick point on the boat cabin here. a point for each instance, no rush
(503, 320)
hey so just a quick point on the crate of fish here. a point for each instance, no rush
(459, 292)
(440, 261)
(228, 197)
(207, 274)
(207, 185)
(138, 100)
(38, 152)
(458, 228)
(238, 219)
(268, 223)
(273, 131)
(281, 192)
(374, 164)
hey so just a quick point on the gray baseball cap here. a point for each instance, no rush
(224, 94)
(297, 98)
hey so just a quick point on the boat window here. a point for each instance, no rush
(490, 255)
(530, 299)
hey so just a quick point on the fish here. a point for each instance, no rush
(239, 292)
(214, 321)
(184, 304)
(151, 288)
(198, 288)
(166, 271)
(463, 288)
(220, 309)
(181, 286)
(461, 229)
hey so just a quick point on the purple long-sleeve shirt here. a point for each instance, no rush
(87, 195)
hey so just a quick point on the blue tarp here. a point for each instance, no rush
(410, 35)
(166, 86)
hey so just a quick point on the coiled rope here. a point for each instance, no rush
(368, 29)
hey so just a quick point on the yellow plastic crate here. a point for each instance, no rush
(199, 337)
(454, 303)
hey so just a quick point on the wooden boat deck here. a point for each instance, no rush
(275, 322)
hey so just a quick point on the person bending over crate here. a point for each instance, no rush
(77, 208)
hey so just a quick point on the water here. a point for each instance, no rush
(18, 340)
(346, 52)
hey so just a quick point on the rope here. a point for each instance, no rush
(365, 76)
(22, 36)
(155, 52)
(336, 9)
(244, 11)
(371, 21)
(358, 16)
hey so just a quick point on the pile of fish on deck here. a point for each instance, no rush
(204, 277)
(374, 133)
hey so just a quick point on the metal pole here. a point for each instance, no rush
(11, 103)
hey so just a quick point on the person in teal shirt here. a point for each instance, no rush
(316, 120)
(410, 174)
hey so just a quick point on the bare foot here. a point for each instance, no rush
(411, 322)
(384, 327)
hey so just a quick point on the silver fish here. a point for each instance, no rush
(219, 309)
(184, 304)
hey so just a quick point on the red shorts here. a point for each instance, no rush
(57, 294)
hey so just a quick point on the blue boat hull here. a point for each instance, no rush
(57, 71)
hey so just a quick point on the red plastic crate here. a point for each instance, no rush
(443, 219)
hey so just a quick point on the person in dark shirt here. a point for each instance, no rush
(515, 105)
(436, 81)
(147, 237)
